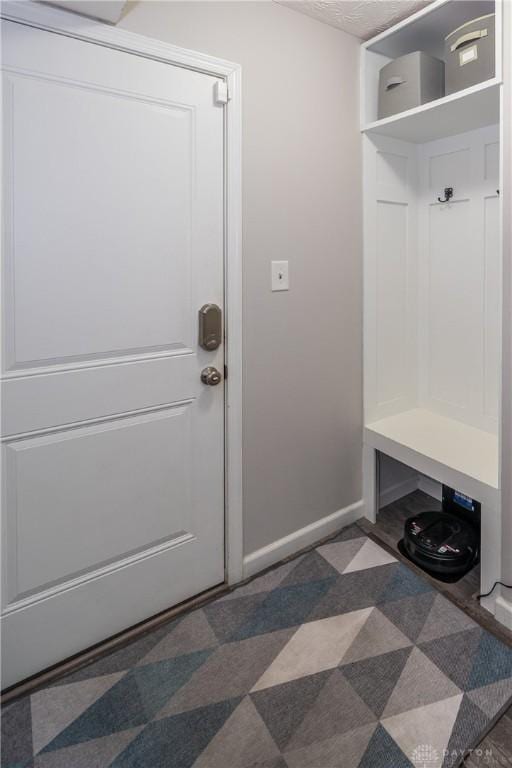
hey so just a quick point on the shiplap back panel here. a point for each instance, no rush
(390, 333)
(432, 277)
(459, 278)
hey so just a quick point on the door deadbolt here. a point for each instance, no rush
(211, 376)
(210, 327)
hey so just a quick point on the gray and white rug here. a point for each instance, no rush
(340, 658)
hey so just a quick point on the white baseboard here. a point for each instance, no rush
(397, 491)
(260, 559)
(503, 611)
(432, 487)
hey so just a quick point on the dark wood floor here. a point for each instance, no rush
(496, 748)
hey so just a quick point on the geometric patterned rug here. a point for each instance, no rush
(339, 658)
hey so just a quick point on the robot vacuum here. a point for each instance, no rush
(444, 543)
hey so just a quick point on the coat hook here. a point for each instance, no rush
(448, 194)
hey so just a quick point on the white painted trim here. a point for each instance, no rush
(88, 30)
(233, 325)
(398, 491)
(506, 246)
(304, 537)
(502, 610)
(498, 51)
(371, 482)
(75, 26)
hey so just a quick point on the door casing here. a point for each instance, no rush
(71, 25)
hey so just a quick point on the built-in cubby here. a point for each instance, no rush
(403, 493)
(433, 276)
(425, 31)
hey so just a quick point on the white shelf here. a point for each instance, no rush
(459, 112)
(455, 451)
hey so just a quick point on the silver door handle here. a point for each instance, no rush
(211, 376)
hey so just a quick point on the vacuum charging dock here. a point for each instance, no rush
(445, 543)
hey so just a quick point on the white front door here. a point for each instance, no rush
(113, 448)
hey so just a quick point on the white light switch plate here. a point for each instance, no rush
(280, 280)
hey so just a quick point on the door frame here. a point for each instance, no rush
(70, 24)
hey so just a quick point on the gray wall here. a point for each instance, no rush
(301, 201)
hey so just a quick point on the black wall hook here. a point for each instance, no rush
(448, 194)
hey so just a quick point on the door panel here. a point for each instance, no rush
(451, 242)
(113, 449)
(94, 483)
(41, 401)
(73, 303)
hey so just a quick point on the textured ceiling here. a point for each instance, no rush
(362, 18)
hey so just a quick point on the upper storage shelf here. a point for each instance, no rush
(459, 112)
(426, 30)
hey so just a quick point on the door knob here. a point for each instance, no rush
(211, 376)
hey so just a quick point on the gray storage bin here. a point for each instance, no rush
(469, 54)
(409, 81)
